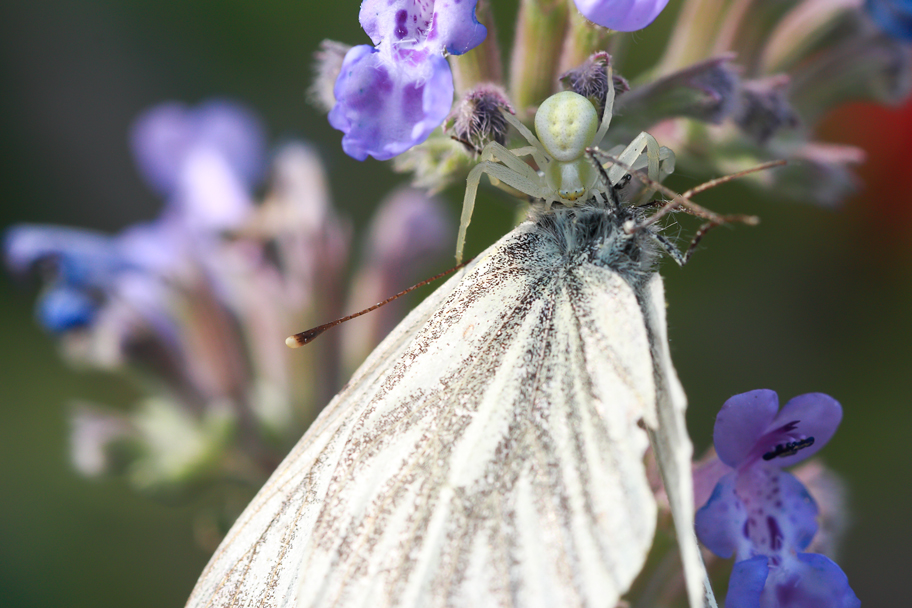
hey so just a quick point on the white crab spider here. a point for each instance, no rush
(567, 125)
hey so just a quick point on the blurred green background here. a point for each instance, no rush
(810, 300)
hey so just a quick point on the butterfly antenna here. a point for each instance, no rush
(732, 176)
(308, 336)
(683, 200)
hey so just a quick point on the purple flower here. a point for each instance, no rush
(893, 16)
(204, 160)
(621, 15)
(765, 516)
(85, 266)
(392, 96)
(802, 580)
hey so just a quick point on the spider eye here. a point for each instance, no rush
(566, 124)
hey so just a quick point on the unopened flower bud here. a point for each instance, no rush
(591, 80)
(706, 91)
(94, 435)
(764, 108)
(326, 67)
(820, 173)
(478, 118)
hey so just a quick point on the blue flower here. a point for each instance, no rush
(893, 16)
(801, 580)
(763, 515)
(621, 15)
(390, 97)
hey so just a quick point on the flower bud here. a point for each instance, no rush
(478, 118)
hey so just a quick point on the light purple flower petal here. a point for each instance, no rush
(808, 580)
(781, 515)
(743, 420)
(818, 416)
(434, 25)
(210, 196)
(157, 246)
(719, 522)
(409, 228)
(761, 509)
(747, 581)
(165, 136)
(386, 106)
(621, 15)
(81, 257)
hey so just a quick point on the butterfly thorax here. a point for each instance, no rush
(595, 234)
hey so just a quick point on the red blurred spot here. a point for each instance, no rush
(886, 135)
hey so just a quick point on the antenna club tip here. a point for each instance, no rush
(291, 342)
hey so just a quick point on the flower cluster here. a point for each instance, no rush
(743, 83)
(391, 96)
(796, 61)
(197, 302)
(765, 516)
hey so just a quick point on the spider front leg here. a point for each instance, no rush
(494, 151)
(609, 105)
(524, 180)
(630, 155)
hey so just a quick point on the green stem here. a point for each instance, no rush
(540, 33)
(481, 64)
(583, 39)
(698, 24)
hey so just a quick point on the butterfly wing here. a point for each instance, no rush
(672, 446)
(490, 452)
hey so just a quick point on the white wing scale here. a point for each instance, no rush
(487, 452)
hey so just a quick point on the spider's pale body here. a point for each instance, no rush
(567, 126)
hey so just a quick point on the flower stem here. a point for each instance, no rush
(540, 33)
(583, 39)
(481, 64)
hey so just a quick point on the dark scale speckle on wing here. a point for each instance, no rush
(500, 466)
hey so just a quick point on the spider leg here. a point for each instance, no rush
(630, 155)
(495, 151)
(524, 151)
(677, 201)
(609, 105)
(522, 181)
(540, 155)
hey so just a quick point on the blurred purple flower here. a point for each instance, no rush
(893, 16)
(199, 300)
(765, 516)
(621, 15)
(392, 96)
(205, 162)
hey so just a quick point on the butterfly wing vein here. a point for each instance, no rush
(498, 460)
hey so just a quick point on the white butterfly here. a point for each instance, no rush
(490, 451)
